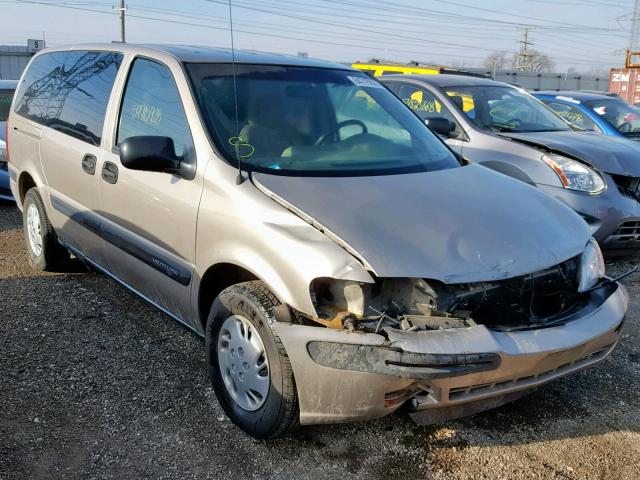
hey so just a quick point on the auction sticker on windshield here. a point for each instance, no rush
(365, 82)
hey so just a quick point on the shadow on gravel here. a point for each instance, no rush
(10, 216)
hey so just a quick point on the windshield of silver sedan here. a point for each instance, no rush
(312, 121)
(505, 109)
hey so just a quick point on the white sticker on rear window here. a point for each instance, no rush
(568, 99)
(365, 82)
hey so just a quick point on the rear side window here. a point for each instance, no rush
(151, 106)
(69, 92)
(5, 104)
(572, 115)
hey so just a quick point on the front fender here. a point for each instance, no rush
(238, 224)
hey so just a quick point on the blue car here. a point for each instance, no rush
(7, 88)
(609, 115)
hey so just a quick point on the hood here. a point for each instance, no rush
(466, 224)
(613, 155)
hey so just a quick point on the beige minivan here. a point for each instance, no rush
(338, 258)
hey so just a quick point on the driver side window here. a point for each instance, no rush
(151, 106)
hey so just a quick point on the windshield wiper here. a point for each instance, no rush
(499, 129)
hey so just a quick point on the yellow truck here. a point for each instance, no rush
(377, 69)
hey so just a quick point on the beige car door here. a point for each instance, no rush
(149, 222)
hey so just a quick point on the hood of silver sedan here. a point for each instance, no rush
(459, 225)
(614, 155)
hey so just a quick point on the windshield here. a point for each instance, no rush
(310, 121)
(505, 109)
(624, 117)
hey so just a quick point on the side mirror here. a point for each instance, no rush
(151, 154)
(440, 125)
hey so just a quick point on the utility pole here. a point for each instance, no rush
(523, 56)
(635, 27)
(122, 10)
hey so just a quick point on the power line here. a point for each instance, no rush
(523, 60)
(122, 10)
(368, 47)
(633, 39)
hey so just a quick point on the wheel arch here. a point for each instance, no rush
(215, 279)
(25, 183)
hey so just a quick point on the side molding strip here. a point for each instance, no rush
(125, 242)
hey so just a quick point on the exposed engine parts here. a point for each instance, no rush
(417, 304)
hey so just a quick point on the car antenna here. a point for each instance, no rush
(236, 143)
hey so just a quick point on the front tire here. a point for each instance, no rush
(247, 363)
(45, 252)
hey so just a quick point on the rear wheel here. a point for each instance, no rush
(45, 252)
(248, 365)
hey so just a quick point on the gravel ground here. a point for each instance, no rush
(94, 383)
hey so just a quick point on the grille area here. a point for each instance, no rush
(628, 232)
(472, 391)
(535, 299)
(628, 186)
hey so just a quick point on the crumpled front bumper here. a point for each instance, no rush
(343, 376)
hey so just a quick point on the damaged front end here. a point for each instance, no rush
(446, 349)
(539, 299)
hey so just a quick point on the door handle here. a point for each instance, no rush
(110, 172)
(89, 164)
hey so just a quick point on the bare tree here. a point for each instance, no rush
(459, 64)
(496, 60)
(534, 60)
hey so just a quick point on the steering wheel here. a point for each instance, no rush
(626, 127)
(323, 138)
(515, 121)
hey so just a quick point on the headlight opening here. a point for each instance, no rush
(592, 267)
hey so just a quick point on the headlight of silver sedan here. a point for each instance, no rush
(591, 266)
(575, 175)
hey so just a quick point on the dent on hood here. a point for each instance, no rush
(466, 224)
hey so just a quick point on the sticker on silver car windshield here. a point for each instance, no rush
(365, 82)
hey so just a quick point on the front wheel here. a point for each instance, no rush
(248, 365)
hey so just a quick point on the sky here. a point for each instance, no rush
(585, 35)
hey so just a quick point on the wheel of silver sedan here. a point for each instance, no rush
(34, 229)
(243, 363)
